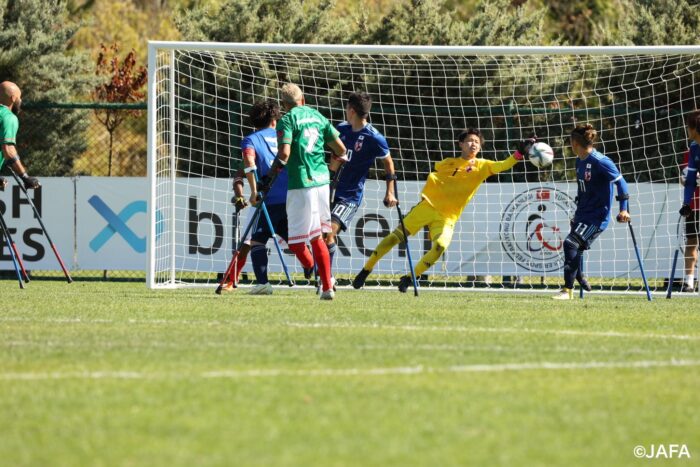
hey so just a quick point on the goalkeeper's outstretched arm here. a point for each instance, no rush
(519, 154)
(501, 166)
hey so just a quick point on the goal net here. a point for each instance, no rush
(511, 234)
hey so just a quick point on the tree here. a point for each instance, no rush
(660, 22)
(125, 22)
(285, 21)
(125, 85)
(417, 22)
(34, 37)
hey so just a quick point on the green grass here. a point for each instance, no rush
(97, 373)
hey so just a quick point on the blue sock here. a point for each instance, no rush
(258, 254)
(331, 253)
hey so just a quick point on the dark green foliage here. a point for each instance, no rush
(417, 22)
(657, 22)
(286, 21)
(34, 37)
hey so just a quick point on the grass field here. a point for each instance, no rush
(97, 373)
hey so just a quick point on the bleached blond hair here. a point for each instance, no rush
(291, 94)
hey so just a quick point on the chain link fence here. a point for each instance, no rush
(100, 152)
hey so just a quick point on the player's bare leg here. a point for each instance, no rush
(332, 246)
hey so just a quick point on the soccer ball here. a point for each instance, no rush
(541, 155)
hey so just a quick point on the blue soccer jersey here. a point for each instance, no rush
(691, 180)
(263, 144)
(596, 175)
(364, 147)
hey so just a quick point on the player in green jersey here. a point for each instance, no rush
(302, 134)
(10, 105)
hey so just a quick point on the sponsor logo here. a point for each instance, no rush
(533, 228)
(116, 224)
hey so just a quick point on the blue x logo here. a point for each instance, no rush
(116, 223)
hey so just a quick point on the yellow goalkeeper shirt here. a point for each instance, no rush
(455, 180)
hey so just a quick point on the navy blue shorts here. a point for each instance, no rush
(584, 234)
(342, 213)
(278, 216)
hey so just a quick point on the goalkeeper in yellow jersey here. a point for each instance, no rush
(448, 190)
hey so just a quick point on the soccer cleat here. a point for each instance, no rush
(584, 284)
(230, 287)
(261, 289)
(564, 294)
(687, 288)
(318, 287)
(360, 279)
(308, 273)
(404, 283)
(327, 294)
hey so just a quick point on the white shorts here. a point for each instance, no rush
(308, 213)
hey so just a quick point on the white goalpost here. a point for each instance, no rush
(510, 235)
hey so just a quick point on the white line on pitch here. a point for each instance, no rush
(467, 329)
(150, 344)
(330, 372)
(372, 326)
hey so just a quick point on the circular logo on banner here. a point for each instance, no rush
(534, 226)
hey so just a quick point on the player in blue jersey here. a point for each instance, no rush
(259, 150)
(365, 144)
(595, 175)
(689, 209)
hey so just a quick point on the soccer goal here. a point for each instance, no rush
(510, 235)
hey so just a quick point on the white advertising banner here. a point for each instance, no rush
(507, 229)
(54, 201)
(518, 229)
(112, 219)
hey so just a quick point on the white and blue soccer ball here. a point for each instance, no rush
(541, 155)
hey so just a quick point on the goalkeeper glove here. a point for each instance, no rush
(685, 210)
(30, 183)
(3, 183)
(524, 147)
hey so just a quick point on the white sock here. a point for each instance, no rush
(690, 280)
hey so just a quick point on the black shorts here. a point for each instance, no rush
(278, 217)
(692, 224)
(584, 234)
(342, 213)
